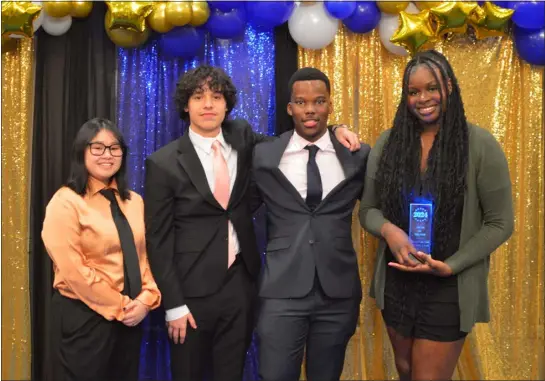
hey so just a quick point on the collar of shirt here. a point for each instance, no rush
(205, 144)
(298, 143)
(94, 186)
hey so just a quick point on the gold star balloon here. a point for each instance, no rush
(490, 20)
(129, 15)
(415, 31)
(124, 37)
(452, 17)
(17, 18)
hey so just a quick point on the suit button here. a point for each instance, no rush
(227, 238)
(311, 242)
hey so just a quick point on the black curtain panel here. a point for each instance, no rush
(75, 81)
(285, 66)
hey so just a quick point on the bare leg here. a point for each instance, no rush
(435, 360)
(403, 347)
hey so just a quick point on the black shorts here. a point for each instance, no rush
(422, 306)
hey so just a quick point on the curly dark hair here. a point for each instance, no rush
(192, 80)
(399, 164)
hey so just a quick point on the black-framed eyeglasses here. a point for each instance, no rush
(98, 149)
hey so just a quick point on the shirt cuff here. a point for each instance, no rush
(176, 313)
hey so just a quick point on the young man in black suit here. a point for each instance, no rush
(201, 242)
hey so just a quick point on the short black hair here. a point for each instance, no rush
(308, 74)
(194, 79)
(79, 176)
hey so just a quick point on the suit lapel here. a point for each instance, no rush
(234, 139)
(276, 152)
(348, 163)
(190, 162)
(346, 158)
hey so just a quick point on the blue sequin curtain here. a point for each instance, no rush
(148, 118)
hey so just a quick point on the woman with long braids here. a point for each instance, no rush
(430, 301)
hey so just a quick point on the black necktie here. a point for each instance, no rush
(131, 268)
(314, 181)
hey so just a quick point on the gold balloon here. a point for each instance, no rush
(199, 12)
(452, 17)
(17, 18)
(393, 7)
(428, 4)
(178, 13)
(125, 38)
(415, 31)
(490, 20)
(57, 8)
(129, 15)
(157, 19)
(81, 9)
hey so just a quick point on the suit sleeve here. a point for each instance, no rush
(159, 214)
(150, 295)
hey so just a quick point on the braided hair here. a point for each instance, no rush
(399, 164)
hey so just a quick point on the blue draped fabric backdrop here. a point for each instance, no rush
(149, 120)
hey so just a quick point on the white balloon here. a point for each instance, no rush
(38, 21)
(411, 8)
(312, 27)
(56, 26)
(387, 27)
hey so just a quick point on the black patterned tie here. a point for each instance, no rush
(314, 181)
(131, 268)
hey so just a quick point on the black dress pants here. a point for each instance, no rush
(87, 347)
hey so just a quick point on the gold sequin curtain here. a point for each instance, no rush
(17, 95)
(500, 93)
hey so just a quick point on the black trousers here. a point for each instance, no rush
(216, 350)
(321, 324)
(87, 347)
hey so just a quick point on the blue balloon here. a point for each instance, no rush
(184, 42)
(225, 6)
(227, 25)
(269, 14)
(529, 14)
(530, 44)
(340, 9)
(364, 19)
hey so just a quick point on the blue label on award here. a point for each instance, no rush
(420, 226)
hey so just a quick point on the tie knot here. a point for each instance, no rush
(109, 194)
(216, 146)
(313, 150)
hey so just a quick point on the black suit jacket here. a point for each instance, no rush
(186, 228)
(304, 242)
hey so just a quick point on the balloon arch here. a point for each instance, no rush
(404, 27)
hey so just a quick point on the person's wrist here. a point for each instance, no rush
(386, 229)
(334, 128)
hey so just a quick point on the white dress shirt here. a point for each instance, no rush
(295, 158)
(203, 146)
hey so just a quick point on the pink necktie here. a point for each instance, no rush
(221, 191)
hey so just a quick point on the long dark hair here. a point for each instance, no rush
(399, 164)
(77, 180)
